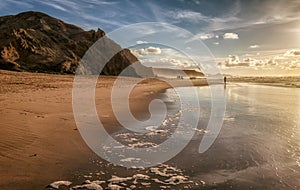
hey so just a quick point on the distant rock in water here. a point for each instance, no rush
(36, 42)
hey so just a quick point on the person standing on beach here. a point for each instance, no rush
(225, 81)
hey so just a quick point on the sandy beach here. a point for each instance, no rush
(39, 139)
(40, 143)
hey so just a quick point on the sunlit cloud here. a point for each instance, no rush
(141, 42)
(191, 16)
(232, 36)
(163, 58)
(205, 36)
(146, 51)
(255, 46)
(285, 61)
(292, 53)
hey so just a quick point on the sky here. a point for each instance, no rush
(246, 37)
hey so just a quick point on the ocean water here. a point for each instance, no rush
(259, 144)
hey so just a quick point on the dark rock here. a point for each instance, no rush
(35, 42)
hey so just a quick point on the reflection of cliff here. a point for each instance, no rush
(173, 73)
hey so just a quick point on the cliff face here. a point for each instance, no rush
(36, 42)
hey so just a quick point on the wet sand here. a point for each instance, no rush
(39, 139)
(258, 146)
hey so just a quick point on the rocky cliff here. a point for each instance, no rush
(36, 42)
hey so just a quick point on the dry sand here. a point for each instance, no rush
(39, 139)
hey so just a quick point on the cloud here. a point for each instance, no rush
(153, 50)
(141, 42)
(175, 62)
(254, 46)
(146, 51)
(164, 58)
(54, 5)
(238, 17)
(16, 4)
(210, 23)
(83, 13)
(205, 36)
(234, 61)
(292, 53)
(233, 36)
(97, 2)
(191, 16)
(288, 60)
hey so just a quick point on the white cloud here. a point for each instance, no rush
(234, 61)
(292, 53)
(96, 2)
(205, 36)
(279, 13)
(16, 3)
(141, 42)
(163, 57)
(255, 46)
(54, 5)
(212, 23)
(231, 36)
(175, 62)
(146, 51)
(153, 50)
(188, 15)
(287, 61)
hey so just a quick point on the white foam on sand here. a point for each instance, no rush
(142, 145)
(227, 118)
(165, 122)
(96, 182)
(130, 159)
(132, 186)
(163, 175)
(91, 186)
(146, 183)
(174, 175)
(141, 176)
(151, 128)
(158, 172)
(165, 170)
(116, 179)
(114, 187)
(56, 184)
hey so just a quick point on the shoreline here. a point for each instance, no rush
(40, 141)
